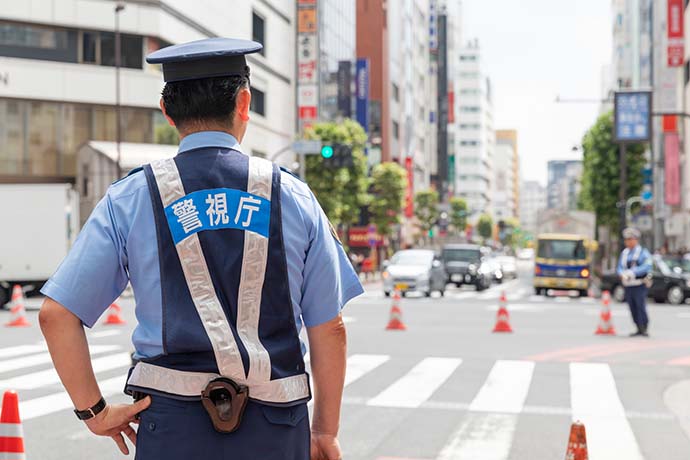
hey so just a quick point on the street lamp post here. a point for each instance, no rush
(119, 7)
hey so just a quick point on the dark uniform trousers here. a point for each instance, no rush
(636, 296)
(171, 429)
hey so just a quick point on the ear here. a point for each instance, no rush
(165, 114)
(244, 100)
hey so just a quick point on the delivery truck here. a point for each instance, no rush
(39, 225)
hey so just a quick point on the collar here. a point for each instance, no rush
(203, 139)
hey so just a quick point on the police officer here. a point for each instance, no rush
(228, 257)
(634, 266)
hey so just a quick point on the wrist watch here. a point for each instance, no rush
(92, 411)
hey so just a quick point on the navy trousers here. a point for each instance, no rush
(636, 296)
(180, 430)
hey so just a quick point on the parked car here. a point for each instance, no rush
(526, 254)
(466, 264)
(495, 270)
(667, 285)
(508, 266)
(414, 270)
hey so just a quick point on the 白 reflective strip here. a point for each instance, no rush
(11, 430)
(254, 259)
(199, 281)
(11, 441)
(190, 384)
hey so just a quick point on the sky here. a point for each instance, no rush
(534, 51)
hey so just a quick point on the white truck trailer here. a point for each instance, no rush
(39, 225)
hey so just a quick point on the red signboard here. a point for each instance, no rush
(409, 191)
(672, 170)
(676, 42)
(359, 238)
(307, 113)
(451, 107)
(670, 123)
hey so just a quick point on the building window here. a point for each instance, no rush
(258, 104)
(468, 57)
(131, 46)
(38, 42)
(89, 47)
(396, 92)
(469, 108)
(687, 71)
(396, 130)
(258, 31)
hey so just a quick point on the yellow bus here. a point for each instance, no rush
(563, 262)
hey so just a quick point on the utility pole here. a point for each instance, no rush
(119, 7)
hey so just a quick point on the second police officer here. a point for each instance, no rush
(228, 257)
(634, 267)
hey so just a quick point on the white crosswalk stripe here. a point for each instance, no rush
(360, 365)
(418, 385)
(44, 358)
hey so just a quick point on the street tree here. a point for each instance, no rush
(166, 134)
(458, 214)
(485, 226)
(342, 192)
(388, 182)
(426, 209)
(601, 172)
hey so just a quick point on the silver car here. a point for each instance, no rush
(508, 266)
(414, 270)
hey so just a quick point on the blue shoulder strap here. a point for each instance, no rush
(292, 173)
(132, 172)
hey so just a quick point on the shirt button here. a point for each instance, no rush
(152, 426)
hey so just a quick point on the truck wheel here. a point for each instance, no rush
(538, 291)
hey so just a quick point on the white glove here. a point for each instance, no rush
(628, 275)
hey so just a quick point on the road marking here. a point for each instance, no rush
(597, 312)
(595, 402)
(49, 377)
(20, 350)
(519, 294)
(359, 365)
(489, 435)
(415, 387)
(518, 307)
(463, 295)
(505, 389)
(561, 299)
(43, 358)
(56, 402)
(683, 315)
(607, 348)
(106, 333)
(682, 361)
(536, 298)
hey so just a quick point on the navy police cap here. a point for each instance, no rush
(210, 57)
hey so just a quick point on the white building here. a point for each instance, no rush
(506, 187)
(532, 203)
(475, 139)
(58, 85)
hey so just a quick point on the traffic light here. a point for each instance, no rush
(336, 155)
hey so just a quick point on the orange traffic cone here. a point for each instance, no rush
(605, 326)
(577, 444)
(395, 323)
(17, 309)
(11, 433)
(502, 317)
(114, 318)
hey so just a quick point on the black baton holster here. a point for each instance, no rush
(225, 401)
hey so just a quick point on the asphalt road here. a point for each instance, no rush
(446, 388)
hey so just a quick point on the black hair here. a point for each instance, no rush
(206, 99)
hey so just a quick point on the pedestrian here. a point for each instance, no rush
(634, 267)
(228, 257)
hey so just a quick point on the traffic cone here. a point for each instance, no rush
(114, 318)
(577, 444)
(395, 323)
(502, 317)
(605, 326)
(17, 309)
(11, 433)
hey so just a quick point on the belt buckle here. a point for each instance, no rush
(225, 401)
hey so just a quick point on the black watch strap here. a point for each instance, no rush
(92, 411)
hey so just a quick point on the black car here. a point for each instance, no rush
(667, 285)
(465, 265)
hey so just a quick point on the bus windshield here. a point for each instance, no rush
(562, 249)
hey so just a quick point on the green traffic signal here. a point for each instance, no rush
(327, 151)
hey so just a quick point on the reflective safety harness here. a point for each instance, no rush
(186, 384)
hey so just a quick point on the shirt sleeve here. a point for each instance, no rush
(329, 279)
(94, 272)
(644, 265)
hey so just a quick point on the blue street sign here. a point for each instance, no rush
(647, 176)
(632, 116)
(362, 87)
(647, 195)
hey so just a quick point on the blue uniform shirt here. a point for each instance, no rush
(118, 244)
(639, 255)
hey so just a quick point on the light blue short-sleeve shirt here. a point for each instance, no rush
(118, 245)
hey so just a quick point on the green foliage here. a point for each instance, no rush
(426, 208)
(601, 172)
(388, 186)
(341, 192)
(166, 134)
(485, 226)
(511, 232)
(458, 214)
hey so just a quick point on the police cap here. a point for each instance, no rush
(210, 57)
(631, 232)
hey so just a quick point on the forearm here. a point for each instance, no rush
(328, 351)
(69, 350)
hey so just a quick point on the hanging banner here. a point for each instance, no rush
(676, 42)
(672, 168)
(362, 86)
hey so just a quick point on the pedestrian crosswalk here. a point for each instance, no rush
(485, 417)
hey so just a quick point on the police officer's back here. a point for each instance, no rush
(228, 257)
